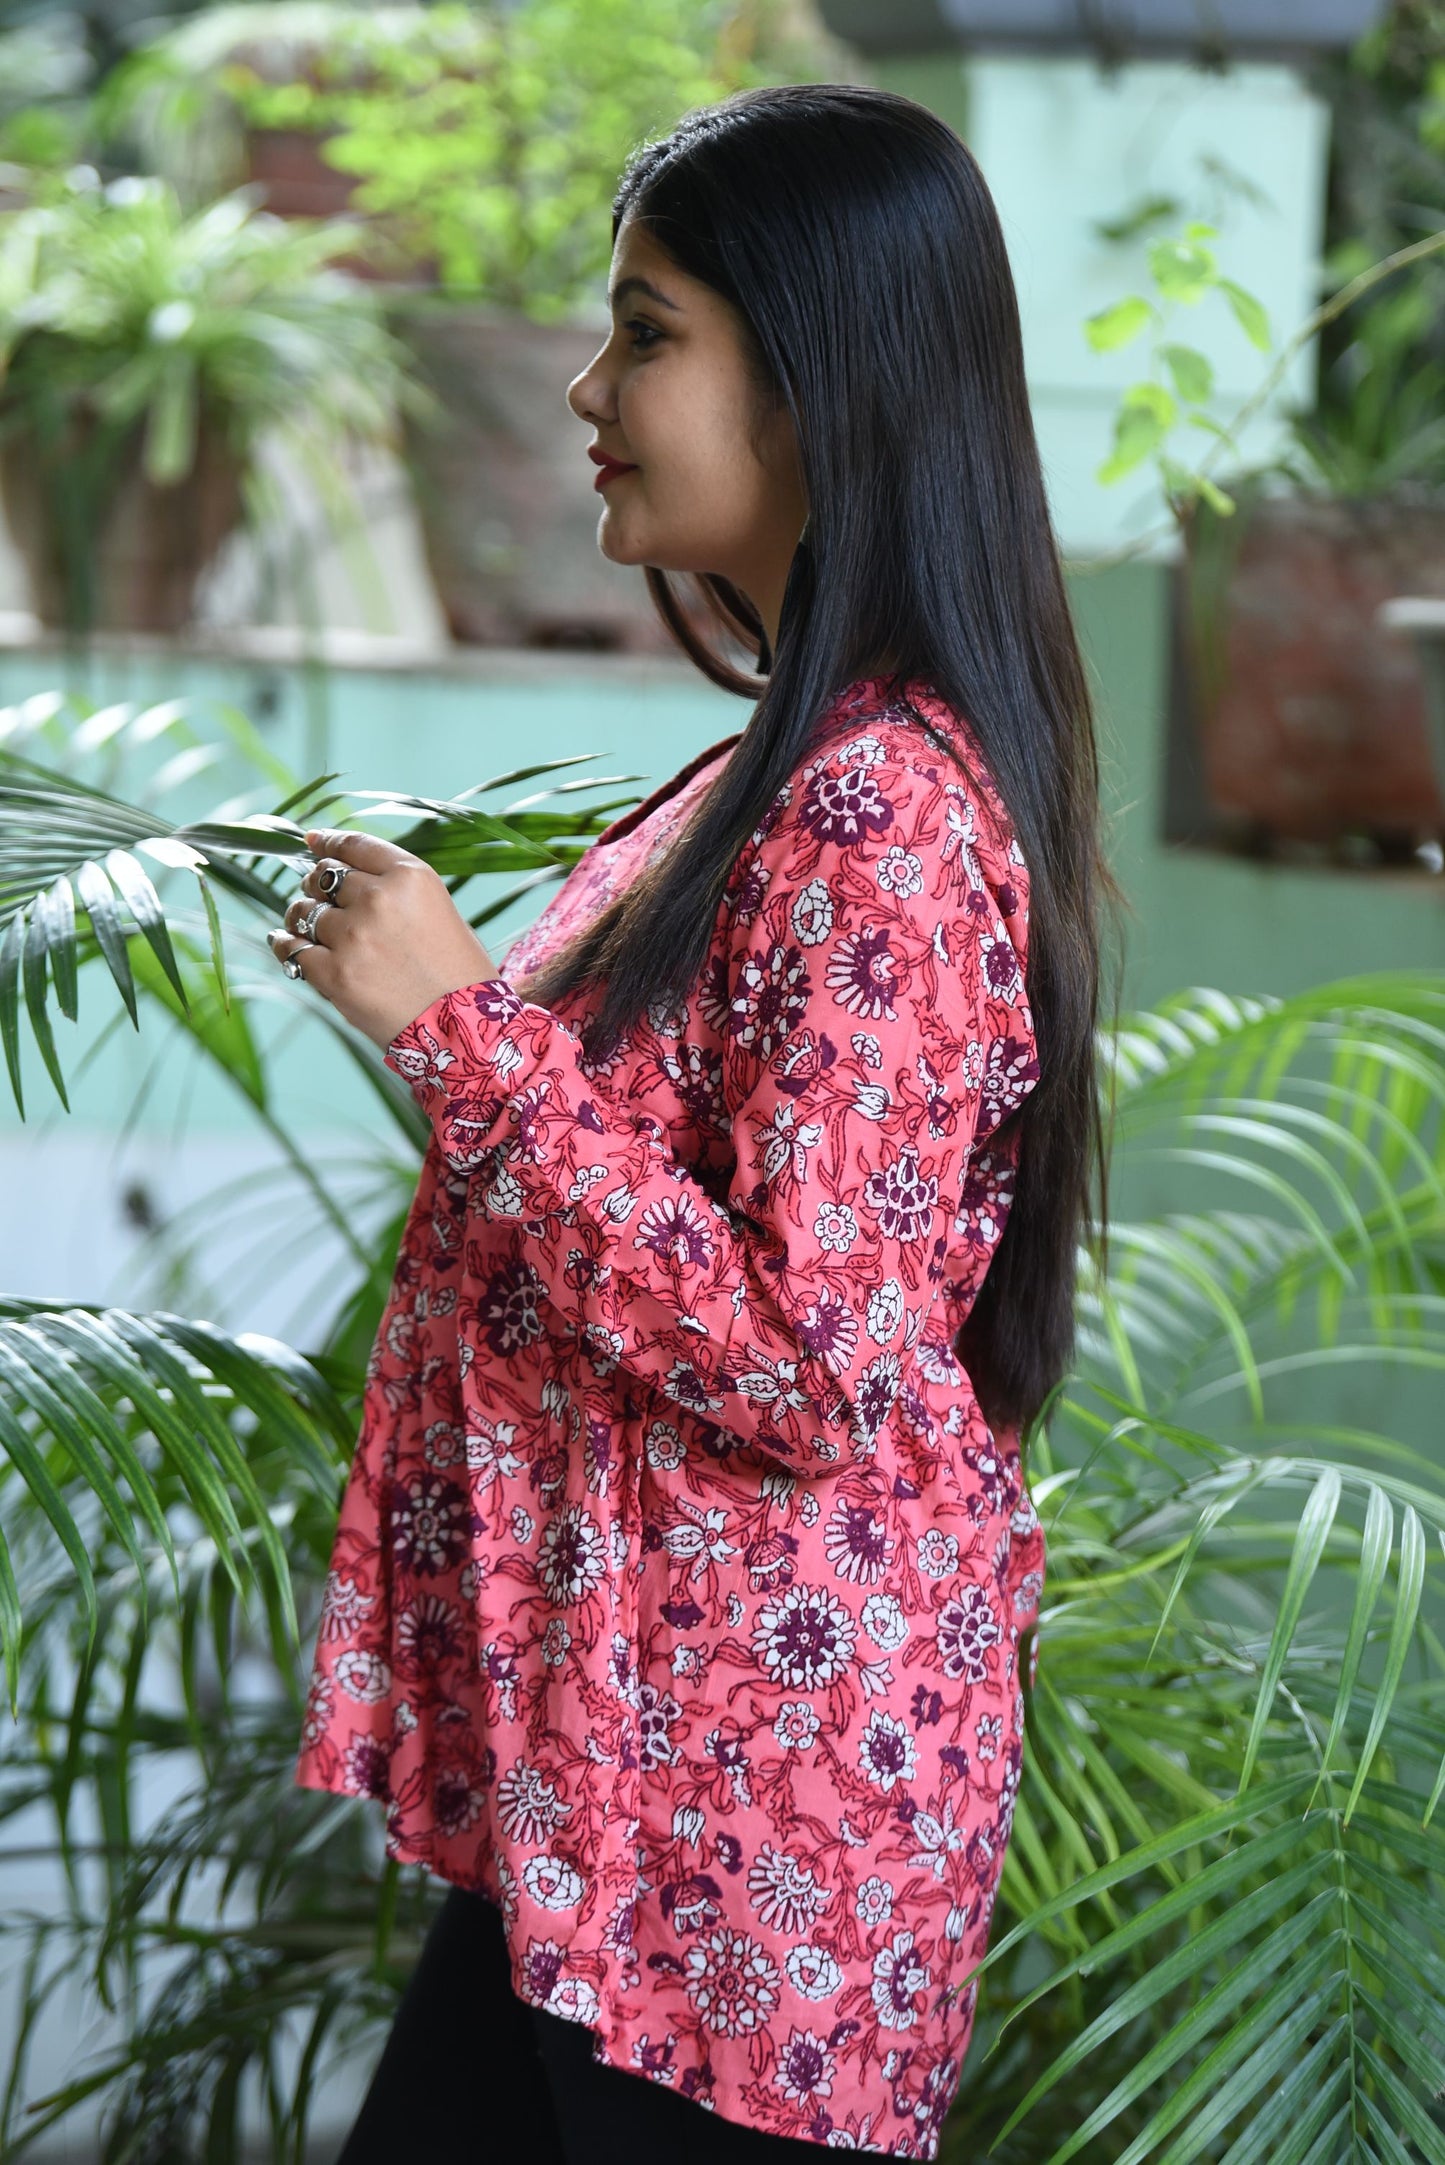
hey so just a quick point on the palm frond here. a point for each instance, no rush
(74, 889)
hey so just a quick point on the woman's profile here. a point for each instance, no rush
(682, 1606)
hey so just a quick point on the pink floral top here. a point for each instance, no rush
(678, 1585)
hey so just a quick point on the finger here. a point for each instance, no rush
(311, 882)
(308, 919)
(368, 852)
(284, 947)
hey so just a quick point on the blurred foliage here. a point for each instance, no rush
(1379, 418)
(485, 143)
(129, 326)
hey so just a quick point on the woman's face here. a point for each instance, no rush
(715, 485)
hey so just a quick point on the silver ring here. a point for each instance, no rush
(291, 966)
(329, 878)
(308, 922)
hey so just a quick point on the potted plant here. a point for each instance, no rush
(482, 146)
(144, 352)
(1304, 711)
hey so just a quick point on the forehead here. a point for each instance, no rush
(636, 255)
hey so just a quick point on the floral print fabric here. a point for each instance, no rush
(677, 1591)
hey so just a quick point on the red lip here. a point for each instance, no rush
(607, 466)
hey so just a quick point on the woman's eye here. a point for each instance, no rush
(645, 329)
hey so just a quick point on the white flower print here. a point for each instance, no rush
(885, 1311)
(857, 1543)
(664, 1447)
(489, 1453)
(732, 1982)
(343, 1607)
(898, 1977)
(797, 1725)
(805, 2067)
(523, 1525)
(867, 1047)
(967, 1627)
(835, 1228)
(587, 1178)
(362, 1676)
(812, 914)
(528, 1805)
(783, 1145)
(804, 1638)
(864, 751)
(552, 1882)
(937, 1553)
(937, 1837)
(813, 1972)
(874, 1903)
(885, 1622)
(899, 872)
(505, 1197)
(570, 1561)
(785, 1893)
(886, 1751)
(574, 1999)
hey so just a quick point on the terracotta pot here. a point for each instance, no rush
(504, 488)
(149, 545)
(1309, 713)
(288, 164)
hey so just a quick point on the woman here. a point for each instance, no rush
(681, 1599)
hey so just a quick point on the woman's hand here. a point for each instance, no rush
(388, 938)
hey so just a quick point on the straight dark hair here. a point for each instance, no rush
(854, 235)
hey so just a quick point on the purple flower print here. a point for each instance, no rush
(507, 1309)
(860, 975)
(967, 1628)
(804, 1638)
(572, 1561)
(857, 1543)
(674, 1228)
(772, 995)
(903, 1197)
(848, 808)
(430, 1522)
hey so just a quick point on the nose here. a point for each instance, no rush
(590, 394)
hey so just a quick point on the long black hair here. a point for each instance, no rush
(854, 235)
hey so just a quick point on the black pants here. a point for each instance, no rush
(471, 2075)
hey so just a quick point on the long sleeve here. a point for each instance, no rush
(860, 983)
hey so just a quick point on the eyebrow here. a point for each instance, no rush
(640, 285)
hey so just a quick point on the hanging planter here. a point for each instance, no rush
(1309, 710)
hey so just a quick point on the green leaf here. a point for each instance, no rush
(98, 899)
(1248, 313)
(1193, 374)
(1145, 416)
(218, 950)
(1109, 328)
(10, 1003)
(1184, 270)
(33, 972)
(134, 884)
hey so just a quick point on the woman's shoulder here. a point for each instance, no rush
(907, 731)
